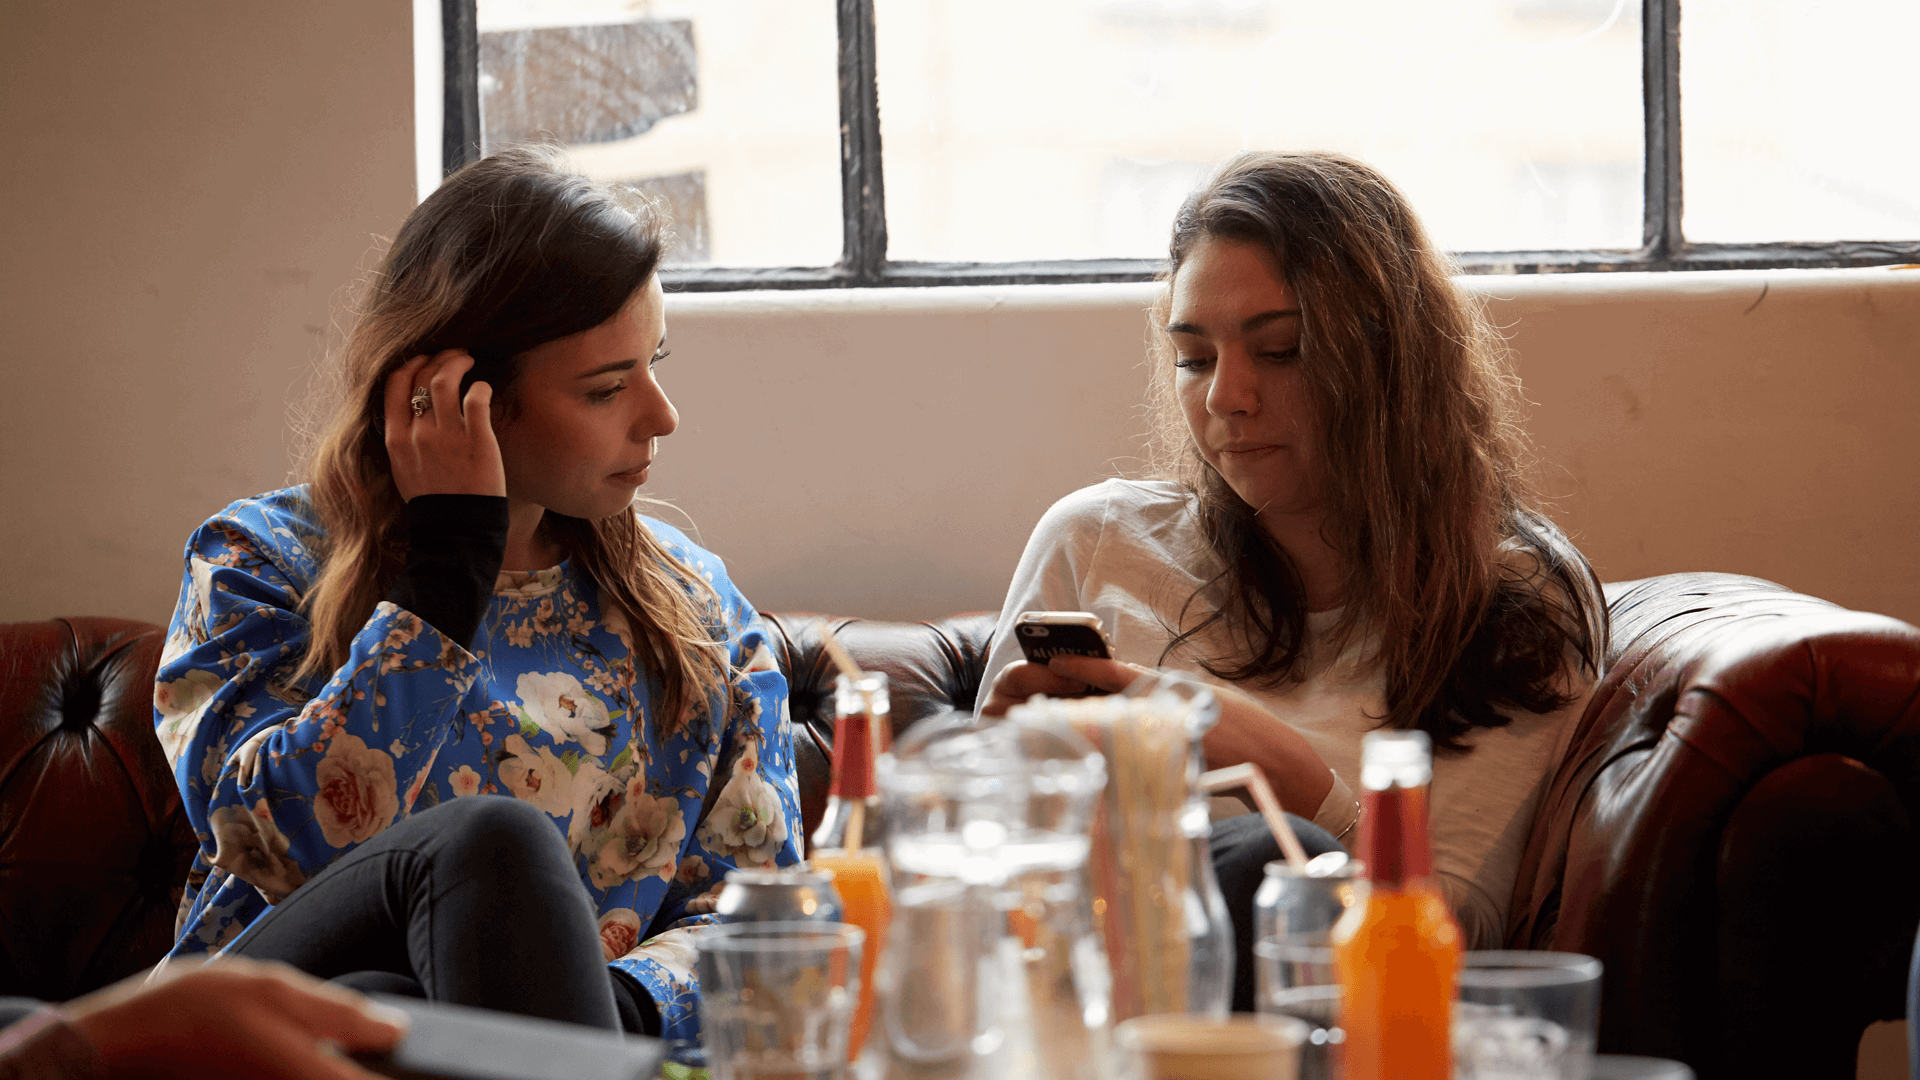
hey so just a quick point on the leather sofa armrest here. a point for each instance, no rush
(94, 845)
(1716, 683)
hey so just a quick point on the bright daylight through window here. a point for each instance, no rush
(830, 142)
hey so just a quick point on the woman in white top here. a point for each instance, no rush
(1338, 528)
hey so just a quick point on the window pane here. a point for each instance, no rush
(1511, 124)
(1797, 120)
(725, 111)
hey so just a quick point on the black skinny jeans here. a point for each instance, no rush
(1241, 848)
(473, 902)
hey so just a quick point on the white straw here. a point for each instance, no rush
(1249, 776)
(836, 650)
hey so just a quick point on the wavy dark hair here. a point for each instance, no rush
(511, 252)
(1475, 601)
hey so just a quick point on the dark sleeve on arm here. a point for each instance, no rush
(639, 1013)
(455, 545)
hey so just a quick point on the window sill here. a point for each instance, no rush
(1136, 295)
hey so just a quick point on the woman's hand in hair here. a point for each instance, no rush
(449, 449)
(233, 1017)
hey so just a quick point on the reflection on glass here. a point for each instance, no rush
(1071, 129)
(1797, 120)
(724, 112)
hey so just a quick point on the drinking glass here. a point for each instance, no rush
(1294, 914)
(777, 998)
(1526, 1014)
(1196, 1046)
(1317, 1006)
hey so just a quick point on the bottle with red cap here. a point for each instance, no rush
(1396, 953)
(852, 832)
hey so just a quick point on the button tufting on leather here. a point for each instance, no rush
(80, 700)
(93, 841)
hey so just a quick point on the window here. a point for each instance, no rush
(803, 143)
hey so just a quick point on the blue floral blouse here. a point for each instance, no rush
(280, 779)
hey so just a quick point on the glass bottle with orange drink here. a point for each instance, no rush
(1397, 952)
(852, 832)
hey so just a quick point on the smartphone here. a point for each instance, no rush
(1046, 634)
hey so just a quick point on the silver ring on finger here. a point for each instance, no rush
(422, 401)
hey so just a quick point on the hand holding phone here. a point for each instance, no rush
(1044, 635)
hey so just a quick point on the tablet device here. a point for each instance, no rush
(460, 1043)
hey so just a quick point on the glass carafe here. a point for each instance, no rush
(993, 951)
(1168, 937)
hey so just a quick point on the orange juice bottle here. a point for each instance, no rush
(1396, 953)
(852, 831)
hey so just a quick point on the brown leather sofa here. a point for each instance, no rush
(1731, 832)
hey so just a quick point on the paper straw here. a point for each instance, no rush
(1249, 776)
(836, 650)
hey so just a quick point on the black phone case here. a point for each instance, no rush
(1042, 642)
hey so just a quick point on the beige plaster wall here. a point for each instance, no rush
(1758, 423)
(187, 188)
(192, 187)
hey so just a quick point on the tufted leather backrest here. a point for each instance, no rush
(93, 844)
(932, 668)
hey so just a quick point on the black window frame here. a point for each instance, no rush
(864, 263)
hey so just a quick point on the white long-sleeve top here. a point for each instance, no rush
(1131, 552)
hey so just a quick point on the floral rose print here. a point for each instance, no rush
(706, 902)
(747, 823)
(419, 779)
(213, 761)
(645, 839)
(182, 696)
(536, 775)
(564, 709)
(619, 932)
(597, 801)
(464, 781)
(548, 705)
(674, 951)
(357, 796)
(176, 707)
(248, 845)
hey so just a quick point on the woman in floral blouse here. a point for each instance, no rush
(452, 713)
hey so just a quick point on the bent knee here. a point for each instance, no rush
(499, 824)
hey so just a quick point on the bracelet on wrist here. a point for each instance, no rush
(1357, 811)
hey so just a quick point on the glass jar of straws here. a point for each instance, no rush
(1168, 937)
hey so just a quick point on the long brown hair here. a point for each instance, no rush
(510, 252)
(1423, 465)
